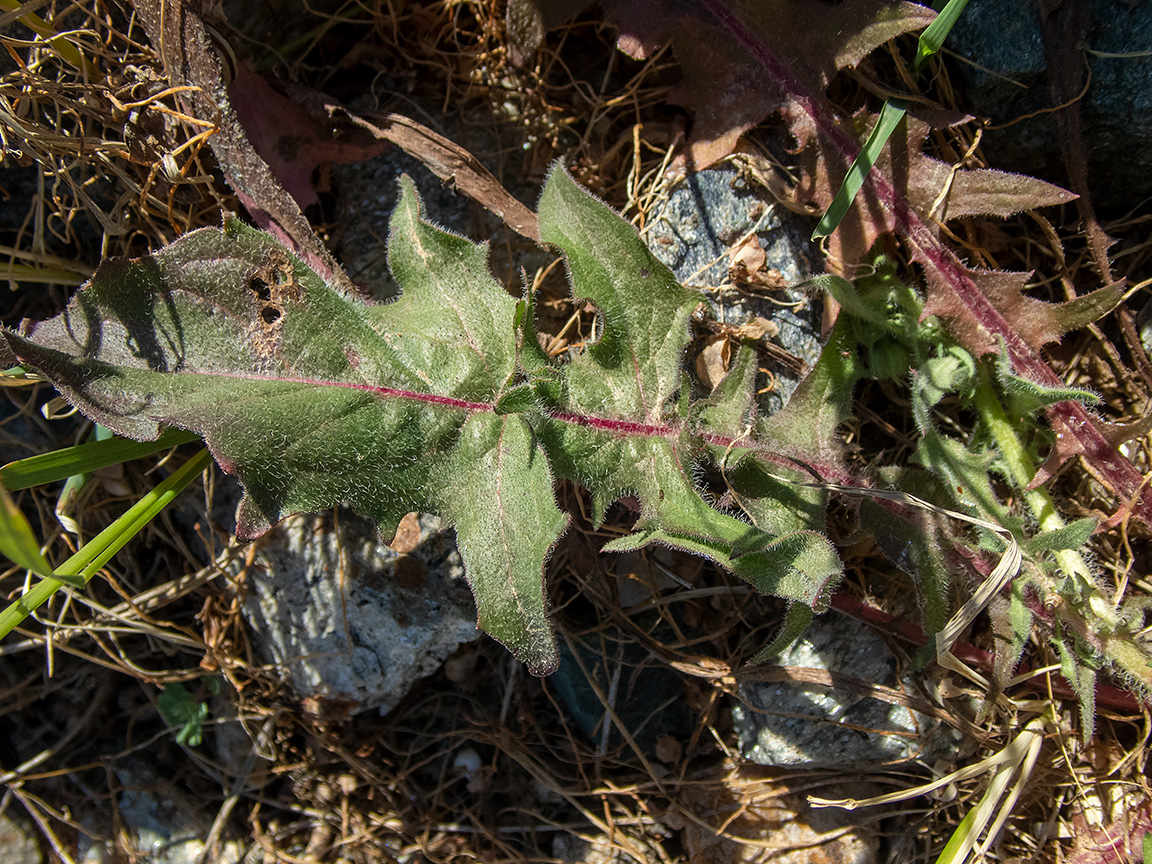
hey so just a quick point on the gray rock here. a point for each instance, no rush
(165, 825)
(1007, 79)
(705, 217)
(795, 832)
(708, 212)
(799, 724)
(574, 849)
(350, 619)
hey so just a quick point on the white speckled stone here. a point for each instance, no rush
(349, 619)
(794, 723)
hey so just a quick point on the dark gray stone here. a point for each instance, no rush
(643, 692)
(705, 216)
(368, 192)
(1011, 81)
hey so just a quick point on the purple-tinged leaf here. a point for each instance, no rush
(955, 291)
(289, 138)
(925, 187)
(723, 77)
(197, 70)
(744, 61)
(632, 373)
(441, 401)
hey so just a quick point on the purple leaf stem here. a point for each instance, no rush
(1068, 418)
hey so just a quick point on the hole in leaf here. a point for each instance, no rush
(270, 314)
(260, 288)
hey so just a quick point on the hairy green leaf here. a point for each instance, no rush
(1079, 669)
(1072, 536)
(1029, 396)
(443, 402)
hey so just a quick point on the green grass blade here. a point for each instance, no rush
(936, 32)
(961, 841)
(85, 458)
(890, 117)
(17, 540)
(88, 561)
(66, 49)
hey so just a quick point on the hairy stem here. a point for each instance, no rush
(1101, 623)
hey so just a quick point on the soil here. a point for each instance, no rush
(480, 760)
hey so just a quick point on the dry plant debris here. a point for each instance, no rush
(102, 157)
